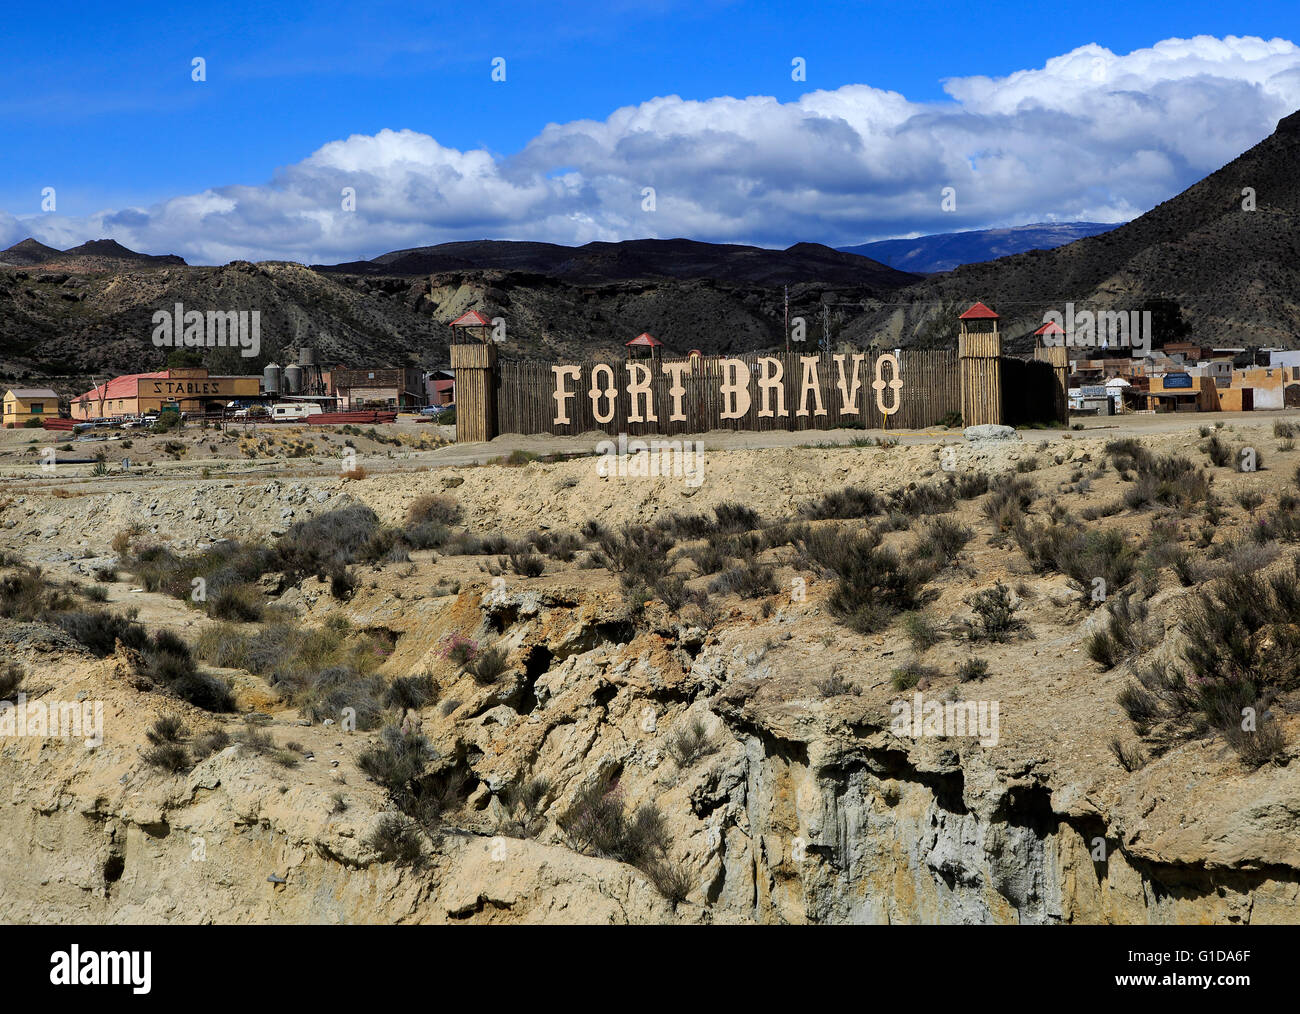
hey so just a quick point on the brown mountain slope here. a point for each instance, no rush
(640, 259)
(1234, 273)
(27, 252)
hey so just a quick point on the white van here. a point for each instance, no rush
(294, 410)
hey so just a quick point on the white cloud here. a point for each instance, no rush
(1091, 135)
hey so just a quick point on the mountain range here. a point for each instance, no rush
(948, 250)
(639, 258)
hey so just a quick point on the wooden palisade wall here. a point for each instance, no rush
(526, 396)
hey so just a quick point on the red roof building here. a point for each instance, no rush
(471, 318)
(979, 312)
(119, 388)
(645, 340)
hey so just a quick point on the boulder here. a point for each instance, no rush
(989, 431)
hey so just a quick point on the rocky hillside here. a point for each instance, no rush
(750, 726)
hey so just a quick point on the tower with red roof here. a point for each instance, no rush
(979, 350)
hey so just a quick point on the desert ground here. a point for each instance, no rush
(419, 681)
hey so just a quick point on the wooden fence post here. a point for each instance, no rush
(476, 391)
(979, 350)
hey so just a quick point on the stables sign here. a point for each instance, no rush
(735, 381)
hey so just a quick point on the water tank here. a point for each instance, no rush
(271, 378)
(293, 379)
(306, 356)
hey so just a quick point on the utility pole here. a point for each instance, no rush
(826, 325)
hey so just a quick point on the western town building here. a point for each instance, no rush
(402, 389)
(22, 404)
(191, 389)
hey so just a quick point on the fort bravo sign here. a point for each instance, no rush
(733, 378)
(867, 389)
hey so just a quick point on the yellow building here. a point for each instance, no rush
(1177, 392)
(24, 403)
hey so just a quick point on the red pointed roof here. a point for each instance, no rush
(471, 318)
(646, 339)
(979, 312)
(1051, 327)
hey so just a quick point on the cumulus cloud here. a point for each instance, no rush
(1089, 136)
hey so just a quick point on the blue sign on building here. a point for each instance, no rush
(1177, 380)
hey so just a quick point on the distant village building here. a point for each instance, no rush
(440, 387)
(402, 389)
(23, 404)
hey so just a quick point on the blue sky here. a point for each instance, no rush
(99, 103)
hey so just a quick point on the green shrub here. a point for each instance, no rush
(941, 539)
(210, 742)
(995, 616)
(1130, 758)
(921, 631)
(99, 632)
(848, 503)
(689, 743)
(874, 584)
(597, 823)
(1124, 635)
(414, 692)
(909, 674)
(969, 485)
(171, 757)
(167, 729)
(11, 679)
(521, 803)
(396, 839)
(527, 564)
(434, 510)
(749, 580)
(1009, 497)
(241, 602)
(488, 666)
(923, 499)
